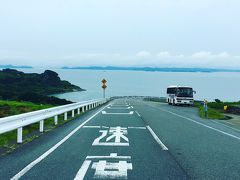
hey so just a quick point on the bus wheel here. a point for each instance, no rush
(168, 102)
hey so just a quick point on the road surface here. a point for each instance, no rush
(130, 139)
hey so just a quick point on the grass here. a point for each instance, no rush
(9, 108)
(212, 112)
(215, 110)
(8, 139)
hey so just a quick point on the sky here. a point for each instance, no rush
(153, 33)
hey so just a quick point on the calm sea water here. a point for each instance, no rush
(222, 85)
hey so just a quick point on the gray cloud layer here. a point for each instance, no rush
(199, 33)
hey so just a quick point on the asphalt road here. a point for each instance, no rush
(130, 139)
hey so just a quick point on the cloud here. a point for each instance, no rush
(209, 55)
(202, 59)
(143, 54)
(166, 54)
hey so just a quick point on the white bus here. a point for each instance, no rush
(180, 95)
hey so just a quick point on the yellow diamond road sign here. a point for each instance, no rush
(104, 86)
(104, 81)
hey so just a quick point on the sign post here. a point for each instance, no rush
(104, 87)
(205, 107)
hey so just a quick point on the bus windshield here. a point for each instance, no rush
(184, 92)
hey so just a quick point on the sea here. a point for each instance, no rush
(224, 86)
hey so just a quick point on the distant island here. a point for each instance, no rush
(162, 69)
(19, 86)
(12, 66)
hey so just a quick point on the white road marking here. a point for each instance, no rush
(44, 155)
(157, 139)
(189, 119)
(227, 125)
(137, 127)
(120, 108)
(138, 114)
(82, 171)
(98, 127)
(131, 112)
(116, 133)
(105, 127)
(107, 170)
(112, 156)
(110, 144)
(91, 126)
(104, 169)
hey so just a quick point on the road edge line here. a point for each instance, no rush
(207, 126)
(44, 155)
(157, 139)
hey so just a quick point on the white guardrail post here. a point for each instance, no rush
(65, 116)
(19, 135)
(21, 120)
(73, 113)
(56, 119)
(41, 126)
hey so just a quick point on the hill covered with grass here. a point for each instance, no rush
(19, 86)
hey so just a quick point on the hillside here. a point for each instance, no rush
(19, 86)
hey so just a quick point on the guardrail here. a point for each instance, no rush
(19, 121)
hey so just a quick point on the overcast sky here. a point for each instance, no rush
(156, 33)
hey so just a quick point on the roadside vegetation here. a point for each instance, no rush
(216, 109)
(32, 87)
(9, 108)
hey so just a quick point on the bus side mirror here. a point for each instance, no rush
(194, 92)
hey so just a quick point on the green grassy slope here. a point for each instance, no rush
(9, 108)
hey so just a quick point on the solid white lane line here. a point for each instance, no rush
(157, 139)
(189, 119)
(44, 155)
(82, 171)
(138, 114)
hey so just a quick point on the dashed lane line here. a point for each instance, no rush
(138, 113)
(157, 139)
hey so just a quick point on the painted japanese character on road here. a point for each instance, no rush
(106, 167)
(115, 136)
